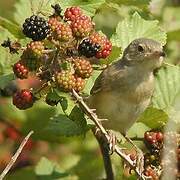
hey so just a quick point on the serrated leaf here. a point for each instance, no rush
(89, 6)
(13, 28)
(78, 117)
(6, 59)
(53, 96)
(167, 88)
(153, 118)
(24, 8)
(61, 125)
(66, 102)
(5, 79)
(136, 27)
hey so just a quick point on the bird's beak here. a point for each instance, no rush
(162, 53)
(159, 54)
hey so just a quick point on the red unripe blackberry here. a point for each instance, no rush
(83, 67)
(23, 99)
(104, 42)
(150, 137)
(65, 80)
(36, 28)
(63, 32)
(159, 136)
(80, 84)
(151, 173)
(87, 48)
(82, 26)
(20, 70)
(36, 48)
(72, 13)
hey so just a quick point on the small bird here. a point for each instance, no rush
(124, 89)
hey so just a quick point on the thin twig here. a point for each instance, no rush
(16, 155)
(136, 138)
(93, 116)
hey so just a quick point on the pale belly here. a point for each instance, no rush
(121, 113)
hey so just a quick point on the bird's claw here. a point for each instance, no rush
(112, 141)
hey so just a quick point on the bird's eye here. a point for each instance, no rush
(140, 48)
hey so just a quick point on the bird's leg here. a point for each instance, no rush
(140, 156)
(112, 141)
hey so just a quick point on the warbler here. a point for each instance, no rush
(124, 89)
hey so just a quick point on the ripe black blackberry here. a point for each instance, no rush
(87, 48)
(36, 27)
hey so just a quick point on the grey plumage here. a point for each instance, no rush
(123, 90)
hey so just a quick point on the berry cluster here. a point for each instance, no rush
(152, 159)
(61, 53)
(154, 139)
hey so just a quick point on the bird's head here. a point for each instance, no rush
(145, 52)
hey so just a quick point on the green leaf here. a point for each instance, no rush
(44, 167)
(171, 21)
(138, 129)
(24, 8)
(6, 59)
(115, 54)
(167, 88)
(47, 170)
(66, 101)
(130, 2)
(61, 125)
(39, 120)
(153, 118)
(89, 6)
(5, 79)
(78, 117)
(22, 173)
(90, 81)
(53, 96)
(136, 27)
(11, 27)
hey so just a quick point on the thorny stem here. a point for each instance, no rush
(16, 155)
(93, 116)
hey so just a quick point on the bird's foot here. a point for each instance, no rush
(112, 142)
(139, 158)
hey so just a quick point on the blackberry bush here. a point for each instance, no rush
(64, 60)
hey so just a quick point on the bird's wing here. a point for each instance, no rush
(103, 82)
